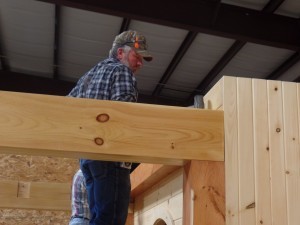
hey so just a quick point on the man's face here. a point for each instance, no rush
(132, 59)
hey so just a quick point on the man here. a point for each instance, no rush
(79, 201)
(108, 183)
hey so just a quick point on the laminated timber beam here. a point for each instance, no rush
(108, 130)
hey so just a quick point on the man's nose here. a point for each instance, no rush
(140, 62)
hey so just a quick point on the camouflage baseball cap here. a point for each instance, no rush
(134, 40)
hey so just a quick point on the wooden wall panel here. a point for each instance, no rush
(245, 152)
(261, 152)
(292, 151)
(277, 154)
(231, 150)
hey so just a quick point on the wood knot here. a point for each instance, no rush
(172, 146)
(251, 206)
(102, 118)
(99, 141)
(278, 130)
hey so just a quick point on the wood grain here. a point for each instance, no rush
(292, 150)
(72, 127)
(261, 152)
(277, 153)
(38, 195)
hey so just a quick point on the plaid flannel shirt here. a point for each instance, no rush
(108, 80)
(80, 206)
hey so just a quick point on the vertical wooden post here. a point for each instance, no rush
(204, 181)
(204, 193)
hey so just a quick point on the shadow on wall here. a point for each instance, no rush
(162, 216)
(160, 222)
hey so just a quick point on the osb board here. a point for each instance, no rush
(33, 217)
(35, 169)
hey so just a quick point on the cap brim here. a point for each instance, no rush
(145, 55)
(148, 58)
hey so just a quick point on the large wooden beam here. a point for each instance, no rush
(86, 128)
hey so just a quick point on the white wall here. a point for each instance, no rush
(163, 201)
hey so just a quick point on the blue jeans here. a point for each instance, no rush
(78, 221)
(108, 186)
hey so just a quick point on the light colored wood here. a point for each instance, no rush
(276, 114)
(262, 150)
(254, 150)
(231, 150)
(261, 153)
(67, 127)
(8, 188)
(204, 193)
(277, 153)
(245, 152)
(146, 175)
(272, 127)
(214, 97)
(41, 195)
(292, 153)
(204, 182)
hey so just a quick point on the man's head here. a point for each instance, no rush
(135, 40)
(130, 48)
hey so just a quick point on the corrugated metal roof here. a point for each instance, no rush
(62, 41)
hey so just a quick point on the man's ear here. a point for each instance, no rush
(120, 53)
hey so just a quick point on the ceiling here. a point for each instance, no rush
(45, 46)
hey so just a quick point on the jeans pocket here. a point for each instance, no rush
(98, 169)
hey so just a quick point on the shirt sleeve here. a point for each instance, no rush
(123, 86)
